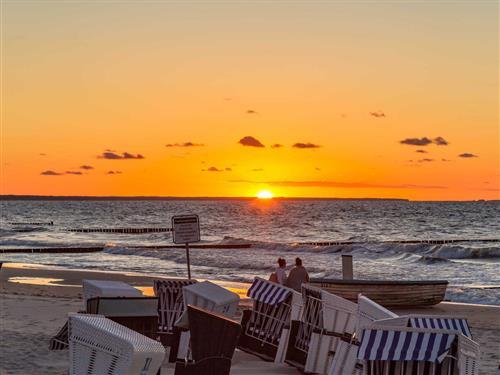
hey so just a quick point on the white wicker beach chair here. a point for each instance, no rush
(344, 361)
(416, 351)
(301, 330)
(170, 305)
(107, 288)
(339, 320)
(100, 346)
(266, 327)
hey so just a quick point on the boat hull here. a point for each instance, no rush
(395, 294)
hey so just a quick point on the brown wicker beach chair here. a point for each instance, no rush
(213, 342)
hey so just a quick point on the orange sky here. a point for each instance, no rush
(81, 78)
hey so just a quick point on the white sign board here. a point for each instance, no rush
(186, 229)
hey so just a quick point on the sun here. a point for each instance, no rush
(264, 194)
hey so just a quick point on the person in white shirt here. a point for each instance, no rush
(281, 272)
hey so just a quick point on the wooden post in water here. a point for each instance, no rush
(188, 262)
(347, 272)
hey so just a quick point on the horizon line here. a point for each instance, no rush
(159, 197)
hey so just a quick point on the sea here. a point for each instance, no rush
(388, 239)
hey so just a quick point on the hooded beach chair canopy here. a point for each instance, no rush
(405, 345)
(268, 292)
(456, 324)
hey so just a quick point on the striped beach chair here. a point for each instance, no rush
(343, 356)
(417, 351)
(170, 305)
(266, 326)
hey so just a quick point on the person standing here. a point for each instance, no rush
(279, 275)
(298, 275)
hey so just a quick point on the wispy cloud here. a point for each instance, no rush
(42, 154)
(251, 112)
(74, 172)
(338, 184)
(212, 169)
(110, 155)
(114, 172)
(305, 145)
(51, 173)
(185, 144)
(277, 145)
(86, 167)
(421, 151)
(377, 114)
(468, 155)
(227, 169)
(425, 160)
(256, 170)
(250, 141)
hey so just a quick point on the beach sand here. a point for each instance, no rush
(35, 302)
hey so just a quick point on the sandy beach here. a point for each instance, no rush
(36, 300)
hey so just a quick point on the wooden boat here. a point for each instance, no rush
(395, 294)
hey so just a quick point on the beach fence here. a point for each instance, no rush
(120, 230)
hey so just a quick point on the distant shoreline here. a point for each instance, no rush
(159, 198)
(13, 197)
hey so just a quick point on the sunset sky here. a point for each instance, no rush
(364, 99)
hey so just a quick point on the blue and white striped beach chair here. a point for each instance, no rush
(266, 326)
(416, 351)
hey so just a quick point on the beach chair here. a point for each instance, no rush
(98, 345)
(137, 313)
(170, 306)
(213, 341)
(343, 357)
(107, 288)
(208, 296)
(266, 327)
(339, 321)
(301, 330)
(417, 351)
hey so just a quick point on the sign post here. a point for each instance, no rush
(186, 229)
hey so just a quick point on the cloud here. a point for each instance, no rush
(377, 114)
(305, 145)
(185, 144)
(426, 160)
(421, 151)
(74, 172)
(440, 141)
(51, 173)
(251, 112)
(212, 169)
(468, 155)
(227, 169)
(424, 141)
(86, 167)
(416, 141)
(445, 159)
(114, 172)
(257, 170)
(110, 155)
(318, 169)
(42, 154)
(338, 184)
(250, 141)
(277, 145)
